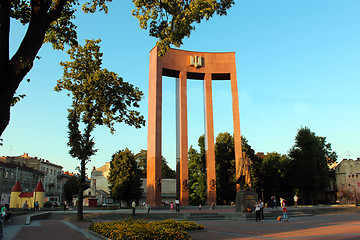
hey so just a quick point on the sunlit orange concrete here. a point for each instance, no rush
(208, 67)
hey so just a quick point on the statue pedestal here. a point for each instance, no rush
(246, 199)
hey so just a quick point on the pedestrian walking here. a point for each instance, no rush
(37, 206)
(171, 206)
(275, 205)
(200, 207)
(257, 212)
(295, 200)
(177, 205)
(133, 206)
(148, 207)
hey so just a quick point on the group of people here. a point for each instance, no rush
(146, 205)
(26, 207)
(176, 205)
(259, 209)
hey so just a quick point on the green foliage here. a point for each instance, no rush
(17, 99)
(100, 97)
(71, 187)
(48, 204)
(60, 28)
(274, 176)
(172, 20)
(124, 177)
(197, 174)
(225, 168)
(309, 159)
(166, 171)
(141, 159)
(139, 229)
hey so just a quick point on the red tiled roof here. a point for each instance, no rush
(39, 187)
(17, 187)
(26, 195)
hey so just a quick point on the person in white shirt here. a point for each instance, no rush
(177, 205)
(257, 211)
(133, 205)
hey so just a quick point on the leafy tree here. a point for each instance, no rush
(125, 177)
(71, 187)
(197, 174)
(170, 21)
(225, 168)
(274, 176)
(100, 97)
(309, 159)
(166, 171)
(197, 178)
(52, 21)
(141, 159)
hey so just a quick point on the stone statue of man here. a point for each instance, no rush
(243, 172)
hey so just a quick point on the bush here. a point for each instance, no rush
(48, 204)
(140, 229)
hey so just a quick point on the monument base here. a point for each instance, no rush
(246, 200)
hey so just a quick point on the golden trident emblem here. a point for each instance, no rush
(196, 61)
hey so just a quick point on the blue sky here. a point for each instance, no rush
(297, 65)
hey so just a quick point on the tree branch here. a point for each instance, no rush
(55, 13)
(4, 35)
(23, 59)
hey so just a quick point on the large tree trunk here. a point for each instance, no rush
(80, 211)
(13, 71)
(6, 95)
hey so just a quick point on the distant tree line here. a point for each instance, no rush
(303, 171)
(126, 171)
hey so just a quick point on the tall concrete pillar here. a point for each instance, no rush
(154, 132)
(236, 122)
(209, 141)
(183, 130)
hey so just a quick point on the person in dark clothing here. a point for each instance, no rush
(261, 209)
(257, 211)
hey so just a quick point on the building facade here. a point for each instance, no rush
(50, 174)
(99, 187)
(347, 175)
(10, 173)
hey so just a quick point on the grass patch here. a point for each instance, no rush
(144, 230)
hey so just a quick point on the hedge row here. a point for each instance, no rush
(144, 230)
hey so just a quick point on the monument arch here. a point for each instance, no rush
(184, 65)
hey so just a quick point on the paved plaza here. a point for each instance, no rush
(329, 226)
(321, 226)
